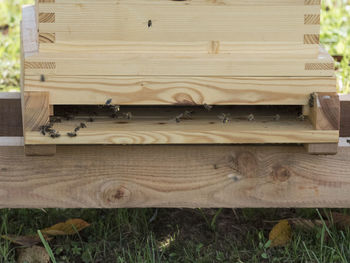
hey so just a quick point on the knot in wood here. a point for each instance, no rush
(281, 173)
(115, 195)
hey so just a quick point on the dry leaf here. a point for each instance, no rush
(341, 220)
(281, 233)
(70, 227)
(26, 241)
(33, 254)
(306, 224)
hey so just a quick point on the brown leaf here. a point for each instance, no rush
(33, 254)
(306, 224)
(70, 227)
(281, 233)
(341, 220)
(26, 241)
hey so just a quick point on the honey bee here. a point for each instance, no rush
(251, 117)
(72, 134)
(225, 118)
(83, 125)
(127, 115)
(108, 102)
(301, 117)
(277, 117)
(311, 100)
(208, 107)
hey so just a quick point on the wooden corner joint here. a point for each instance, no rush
(325, 111)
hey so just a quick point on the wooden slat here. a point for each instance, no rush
(275, 64)
(158, 126)
(344, 115)
(180, 90)
(36, 110)
(174, 176)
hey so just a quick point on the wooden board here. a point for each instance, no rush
(158, 126)
(193, 26)
(135, 90)
(172, 64)
(174, 176)
(10, 115)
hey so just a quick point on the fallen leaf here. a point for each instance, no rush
(340, 220)
(26, 241)
(281, 233)
(33, 254)
(306, 224)
(70, 227)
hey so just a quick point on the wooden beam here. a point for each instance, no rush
(10, 115)
(344, 115)
(174, 176)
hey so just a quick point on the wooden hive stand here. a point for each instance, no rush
(247, 58)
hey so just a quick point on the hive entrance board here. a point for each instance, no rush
(181, 125)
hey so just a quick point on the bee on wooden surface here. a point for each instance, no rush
(47, 128)
(54, 134)
(225, 118)
(127, 115)
(108, 102)
(115, 108)
(55, 119)
(188, 114)
(179, 117)
(208, 107)
(301, 117)
(311, 100)
(77, 129)
(91, 119)
(251, 117)
(42, 78)
(277, 117)
(83, 125)
(149, 23)
(72, 134)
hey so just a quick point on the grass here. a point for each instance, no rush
(178, 235)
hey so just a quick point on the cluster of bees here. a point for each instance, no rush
(116, 113)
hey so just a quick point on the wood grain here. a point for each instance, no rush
(160, 90)
(47, 38)
(312, 39)
(325, 113)
(174, 176)
(36, 110)
(322, 148)
(47, 18)
(312, 19)
(173, 64)
(150, 125)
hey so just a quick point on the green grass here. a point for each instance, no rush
(177, 235)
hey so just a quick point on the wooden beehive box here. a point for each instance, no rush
(153, 53)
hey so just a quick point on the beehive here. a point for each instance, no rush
(153, 52)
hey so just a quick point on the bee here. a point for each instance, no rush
(47, 128)
(277, 117)
(149, 24)
(127, 115)
(251, 117)
(72, 134)
(83, 125)
(91, 119)
(179, 117)
(55, 134)
(225, 118)
(55, 119)
(42, 78)
(108, 102)
(116, 108)
(301, 117)
(311, 100)
(348, 141)
(77, 129)
(208, 107)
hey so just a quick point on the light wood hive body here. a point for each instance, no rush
(192, 52)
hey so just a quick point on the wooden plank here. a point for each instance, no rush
(165, 64)
(10, 115)
(181, 25)
(133, 90)
(344, 115)
(40, 150)
(36, 110)
(174, 176)
(158, 126)
(322, 148)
